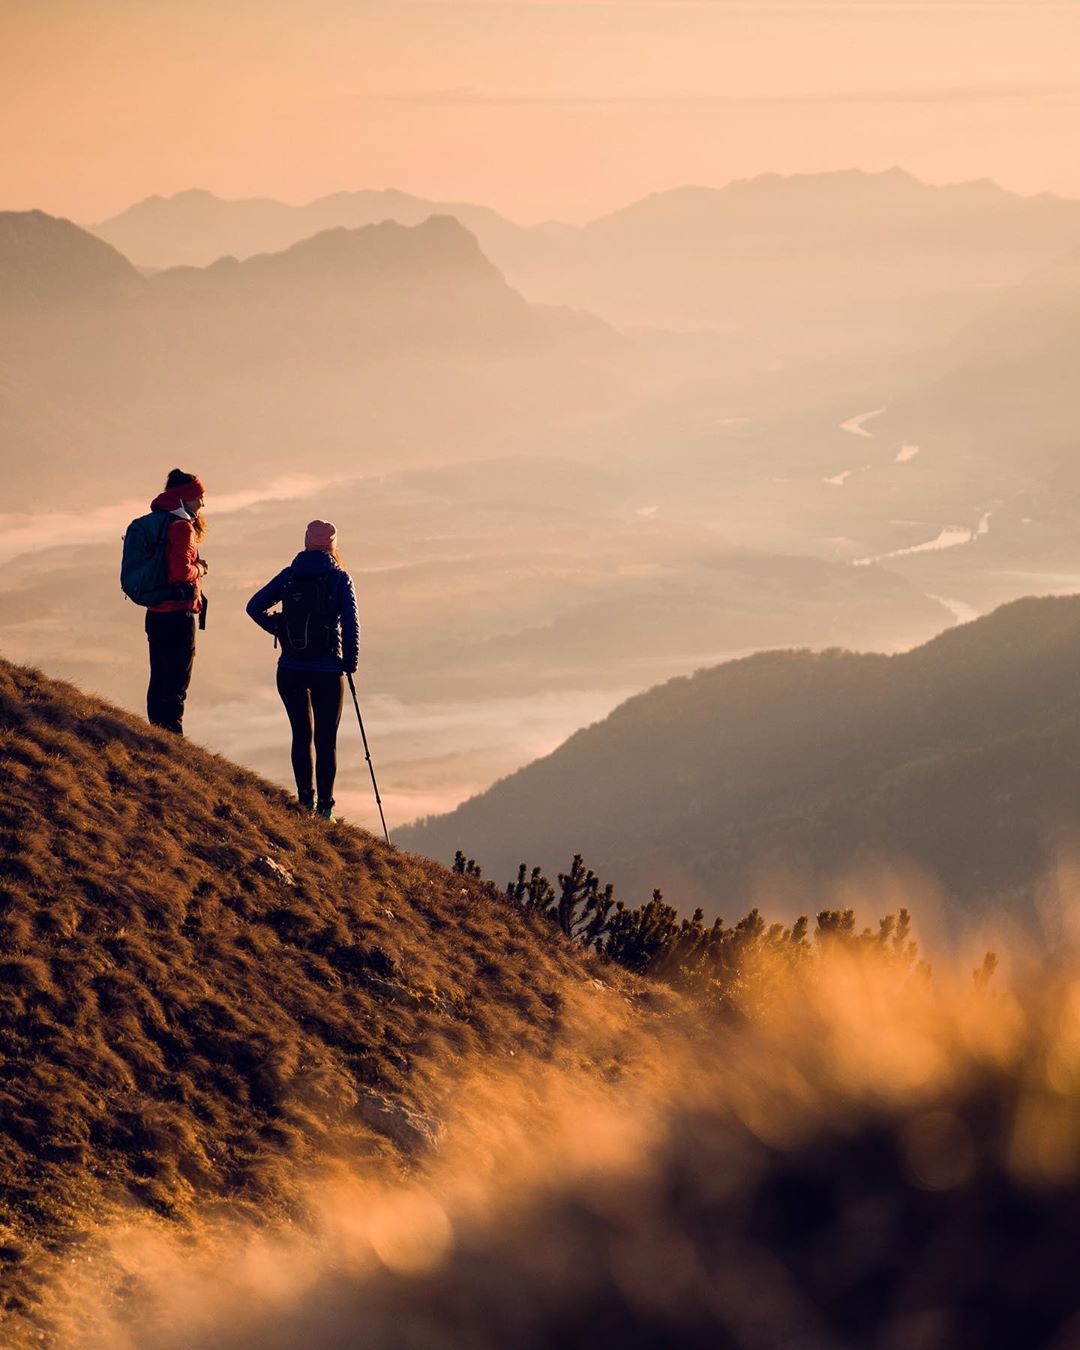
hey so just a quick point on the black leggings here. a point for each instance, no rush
(308, 695)
(171, 636)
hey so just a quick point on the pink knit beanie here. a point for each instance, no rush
(320, 534)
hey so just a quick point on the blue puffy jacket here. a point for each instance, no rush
(312, 562)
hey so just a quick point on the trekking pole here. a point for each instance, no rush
(367, 756)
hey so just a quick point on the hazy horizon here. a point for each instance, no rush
(542, 219)
(539, 108)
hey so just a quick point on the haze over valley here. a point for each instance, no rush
(549, 502)
(547, 508)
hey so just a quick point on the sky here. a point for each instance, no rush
(541, 108)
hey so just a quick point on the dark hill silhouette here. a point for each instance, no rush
(44, 258)
(962, 756)
(203, 993)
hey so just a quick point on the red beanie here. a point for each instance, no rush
(187, 492)
(320, 534)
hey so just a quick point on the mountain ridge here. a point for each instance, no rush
(437, 263)
(789, 762)
(120, 229)
(45, 257)
(203, 226)
(772, 259)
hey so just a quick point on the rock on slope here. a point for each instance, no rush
(200, 990)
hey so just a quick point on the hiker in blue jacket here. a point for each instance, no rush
(319, 632)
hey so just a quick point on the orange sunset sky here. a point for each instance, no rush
(538, 107)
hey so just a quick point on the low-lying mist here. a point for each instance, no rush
(503, 604)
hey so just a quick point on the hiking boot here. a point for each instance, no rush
(325, 810)
(306, 802)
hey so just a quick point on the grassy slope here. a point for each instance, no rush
(179, 1025)
(962, 755)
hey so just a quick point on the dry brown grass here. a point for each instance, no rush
(179, 1025)
(877, 1162)
(229, 1036)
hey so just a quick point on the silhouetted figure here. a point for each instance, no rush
(170, 624)
(319, 632)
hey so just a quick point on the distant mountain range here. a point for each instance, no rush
(825, 253)
(367, 347)
(961, 758)
(837, 209)
(802, 212)
(45, 259)
(196, 227)
(862, 269)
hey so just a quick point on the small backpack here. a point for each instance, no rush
(142, 567)
(308, 628)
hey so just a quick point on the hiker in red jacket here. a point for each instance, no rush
(170, 626)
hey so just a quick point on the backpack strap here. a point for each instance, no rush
(163, 537)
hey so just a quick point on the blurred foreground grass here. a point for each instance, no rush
(877, 1158)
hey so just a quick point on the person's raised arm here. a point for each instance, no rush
(264, 599)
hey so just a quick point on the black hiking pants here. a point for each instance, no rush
(172, 655)
(313, 699)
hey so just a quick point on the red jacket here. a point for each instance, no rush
(181, 555)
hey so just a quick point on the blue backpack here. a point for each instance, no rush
(142, 567)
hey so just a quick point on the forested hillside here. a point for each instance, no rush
(961, 757)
